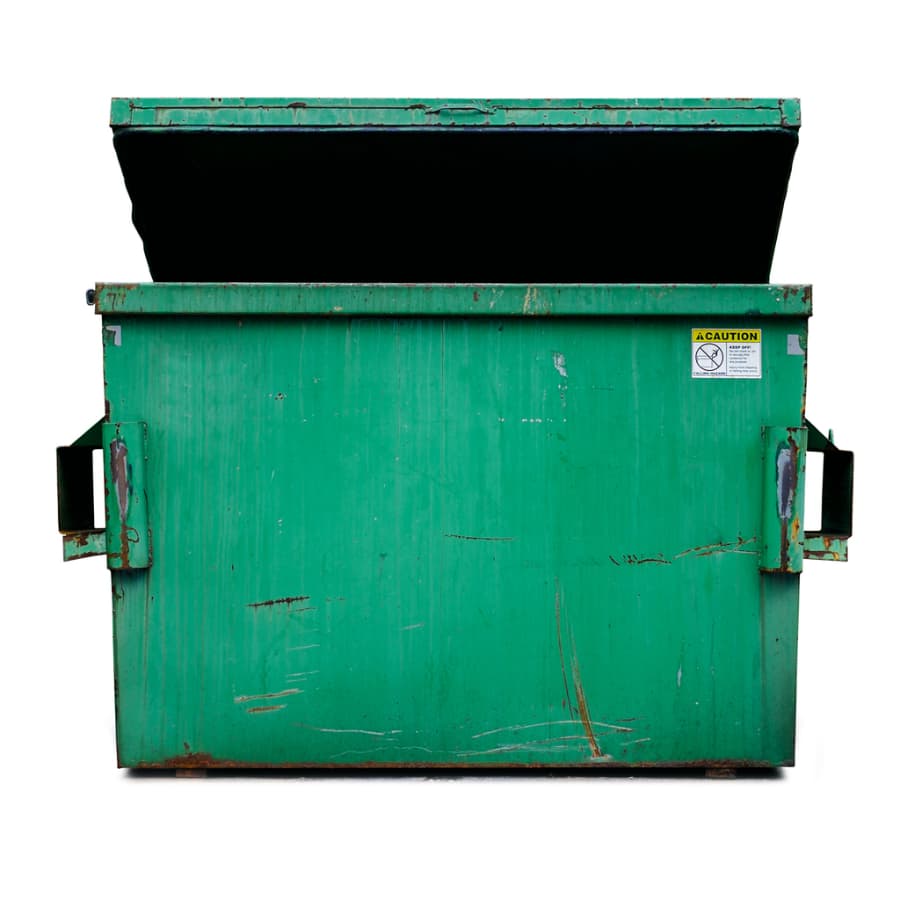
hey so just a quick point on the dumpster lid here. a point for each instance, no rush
(674, 190)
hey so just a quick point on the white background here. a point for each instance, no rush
(75, 825)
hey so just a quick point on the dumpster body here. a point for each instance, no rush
(473, 523)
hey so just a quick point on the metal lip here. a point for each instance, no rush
(465, 299)
(240, 112)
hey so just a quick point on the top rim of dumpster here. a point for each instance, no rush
(318, 112)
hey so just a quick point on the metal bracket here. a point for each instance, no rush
(830, 542)
(75, 496)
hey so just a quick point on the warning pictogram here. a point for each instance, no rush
(709, 357)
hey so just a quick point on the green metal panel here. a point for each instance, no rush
(416, 113)
(425, 533)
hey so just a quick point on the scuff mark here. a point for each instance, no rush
(248, 697)
(559, 642)
(613, 560)
(301, 674)
(718, 547)
(345, 730)
(530, 746)
(594, 723)
(678, 677)
(473, 537)
(634, 560)
(390, 747)
(265, 709)
(280, 601)
(413, 627)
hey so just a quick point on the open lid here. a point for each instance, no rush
(457, 190)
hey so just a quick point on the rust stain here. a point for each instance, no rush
(583, 710)
(280, 601)
(186, 760)
(471, 537)
(795, 528)
(265, 709)
(207, 761)
(823, 554)
(81, 538)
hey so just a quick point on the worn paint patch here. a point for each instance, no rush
(559, 363)
(785, 481)
(118, 464)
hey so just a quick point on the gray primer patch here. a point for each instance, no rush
(794, 348)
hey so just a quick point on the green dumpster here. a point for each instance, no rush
(455, 433)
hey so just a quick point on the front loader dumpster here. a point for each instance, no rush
(455, 433)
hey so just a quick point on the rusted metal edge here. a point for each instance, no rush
(454, 299)
(206, 761)
(81, 544)
(833, 548)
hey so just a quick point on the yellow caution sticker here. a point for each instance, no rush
(726, 352)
